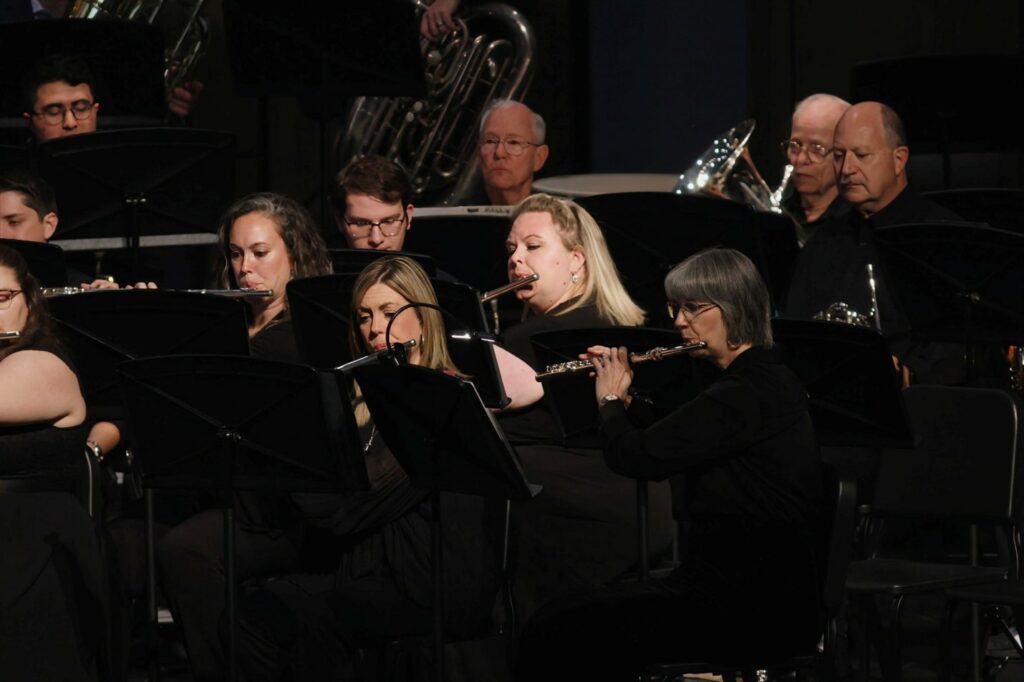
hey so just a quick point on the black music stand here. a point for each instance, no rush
(571, 397)
(341, 50)
(446, 440)
(650, 232)
(854, 388)
(354, 261)
(959, 282)
(142, 187)
(103, 328)
(294, 432)
(45, 261)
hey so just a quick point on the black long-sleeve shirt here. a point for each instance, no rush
(744, 447)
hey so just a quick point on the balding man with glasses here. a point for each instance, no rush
(814, 198)
(512, 150)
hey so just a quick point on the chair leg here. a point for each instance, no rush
(892, 662)
(945, 672)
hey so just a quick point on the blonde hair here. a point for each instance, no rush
(579, 231)
(410, 281)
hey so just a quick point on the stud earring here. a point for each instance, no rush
(575, 278)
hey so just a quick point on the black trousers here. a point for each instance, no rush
(190, 558)
(744, 599)
(307, 627)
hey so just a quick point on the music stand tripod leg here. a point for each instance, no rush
(152, 631)
(436, 569)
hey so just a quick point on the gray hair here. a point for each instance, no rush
(539, 127)
(821, 98)
(730, 280)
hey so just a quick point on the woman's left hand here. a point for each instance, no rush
(614, 375)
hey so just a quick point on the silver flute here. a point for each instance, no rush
(50, 292)
(9, 335)
(579, 366)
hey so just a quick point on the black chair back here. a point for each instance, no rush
(964, 465)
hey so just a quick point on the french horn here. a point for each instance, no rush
(725, 170)
(434, 139)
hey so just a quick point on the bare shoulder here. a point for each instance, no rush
(38, 365)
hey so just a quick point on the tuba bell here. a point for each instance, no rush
(488, 56)
(180, 18)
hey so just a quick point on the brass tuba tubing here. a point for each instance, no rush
(511, 286)
(10, 335)
(580, 366)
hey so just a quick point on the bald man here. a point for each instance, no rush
(814, 198)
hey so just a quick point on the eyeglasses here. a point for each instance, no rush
(689, 309)
(389, 227)
(513, 145)
(54, 114)
(7, 297)
(815, 152)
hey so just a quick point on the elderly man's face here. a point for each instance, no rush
(810, 148)
(62, 109)
(508, 131)
(868, 168)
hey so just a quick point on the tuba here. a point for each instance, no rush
(488, 56)
(190, 33)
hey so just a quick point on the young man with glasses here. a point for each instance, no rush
(58, 92)
(512, 150)
(373, 204)
(808, 149)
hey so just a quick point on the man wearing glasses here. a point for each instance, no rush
(58, 93)
(815, 197)
(512, 149)
(373, 204)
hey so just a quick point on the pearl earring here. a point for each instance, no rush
(575, 278)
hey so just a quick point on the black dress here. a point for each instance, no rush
(52, 585)
(581, 530)
(745, 473)
(306, 626)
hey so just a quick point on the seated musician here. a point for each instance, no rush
(372, 203)
(50, 567)
(306, 626)
(265, 240)
(59, 97)
(580, 532)
(747, 484)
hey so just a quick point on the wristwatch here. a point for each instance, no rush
(96, 449)
(610, 398)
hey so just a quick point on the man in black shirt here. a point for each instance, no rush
(870, 154)
(814, 198)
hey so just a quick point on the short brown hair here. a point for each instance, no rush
(373, 176)
(35, 192)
